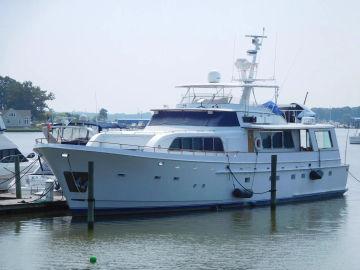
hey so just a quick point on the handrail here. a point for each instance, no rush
(144, 147)
(168, 150)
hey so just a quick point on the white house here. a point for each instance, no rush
(16, 118)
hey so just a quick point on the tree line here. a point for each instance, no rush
(24, 96)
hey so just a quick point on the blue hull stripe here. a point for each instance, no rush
(296, 198)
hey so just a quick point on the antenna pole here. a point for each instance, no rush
(306, 97)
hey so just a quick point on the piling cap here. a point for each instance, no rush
(93, 259)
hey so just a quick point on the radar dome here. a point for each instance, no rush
(214, 77)
(83, 117)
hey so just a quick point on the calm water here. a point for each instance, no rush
(318, 235)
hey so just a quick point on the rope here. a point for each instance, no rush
(44, 193)
(29, 167)
(246, 189)
(353, 176)
(13, 174)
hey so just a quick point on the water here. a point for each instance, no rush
(317, 235)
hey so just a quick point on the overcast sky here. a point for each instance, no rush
(131, 54)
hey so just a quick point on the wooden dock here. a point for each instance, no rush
(9, 205)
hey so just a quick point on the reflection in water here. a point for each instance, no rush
(227, 239)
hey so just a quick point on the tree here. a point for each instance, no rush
(23, 96)
(103, 114)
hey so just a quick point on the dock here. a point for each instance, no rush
(9, 205)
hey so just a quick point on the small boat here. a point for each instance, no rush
(8, 152)
(355, 139)
(75, 132)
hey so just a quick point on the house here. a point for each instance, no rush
(16, 118)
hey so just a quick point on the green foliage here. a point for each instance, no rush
(342, 115)
(103, 114)
(23, 96)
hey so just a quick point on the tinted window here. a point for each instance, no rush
(277, 140)
(176, 144)
(266, 139)
(218, 146)
(288, 140)
(190, 118)
(186, 143)
(208, 144)
(8, 155)
(197, 144)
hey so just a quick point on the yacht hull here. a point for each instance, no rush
(137, 181)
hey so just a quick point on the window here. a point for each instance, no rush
(305, 142)
(276, 139)
(288, 139)
(8, 155)
(195, 118)
(266, 139)
(197, 144)
(323, 139)
(186, 143)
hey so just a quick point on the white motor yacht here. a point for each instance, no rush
(209, 151)
(8, 152)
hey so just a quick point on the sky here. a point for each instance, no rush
(127, 56)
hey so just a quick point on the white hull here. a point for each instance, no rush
(354, 139)
(6, 175)
(129, 181)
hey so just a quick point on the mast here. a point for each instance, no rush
(247, 70)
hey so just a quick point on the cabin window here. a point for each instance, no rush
(276, 139)
(323, 139)
(192, 118)
(288, 139)
(186, 143)
(208, 144)
(266, 139)
(197, 144)
(305, 141)
(8, 155)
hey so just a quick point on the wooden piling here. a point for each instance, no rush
(91, 199)
(17, 178)
(273, 181)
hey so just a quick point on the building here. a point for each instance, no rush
(16, 118)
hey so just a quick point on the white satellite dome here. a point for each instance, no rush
(214, 77)
(83, 117)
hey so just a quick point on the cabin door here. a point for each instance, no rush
(250, 141)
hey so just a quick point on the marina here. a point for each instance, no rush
(208, 135)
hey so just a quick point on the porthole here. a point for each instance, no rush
(194, 186)
(303, 175)
(247, 179)
(157, 177)
(176, 178)
(330, 173)
(293, 176)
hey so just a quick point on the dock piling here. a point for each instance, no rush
(273, 181)
(17, 178)
(91, 199)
